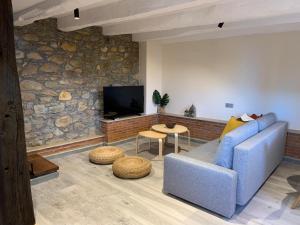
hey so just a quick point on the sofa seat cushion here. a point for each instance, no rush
(205, 152)
(265, 121)
(224, 155)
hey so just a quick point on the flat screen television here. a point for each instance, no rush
(120, 101)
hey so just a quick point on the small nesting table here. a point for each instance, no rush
(178, 129)
(151, 135)
(296, 204)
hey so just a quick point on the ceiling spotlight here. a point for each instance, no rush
(76, 14)
(220, 25)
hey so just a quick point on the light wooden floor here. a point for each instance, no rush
(87, 194)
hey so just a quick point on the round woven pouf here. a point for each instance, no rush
(131, 167)
(105, 155)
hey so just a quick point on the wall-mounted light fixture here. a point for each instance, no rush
(76, 14)
(220, 25)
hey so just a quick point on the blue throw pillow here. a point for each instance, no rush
(224, 155)
(266, 121)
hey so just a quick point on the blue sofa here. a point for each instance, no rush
(222, 174)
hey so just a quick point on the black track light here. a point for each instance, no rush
(220, 25)
(76, 14)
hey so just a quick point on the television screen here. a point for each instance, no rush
(123, 101)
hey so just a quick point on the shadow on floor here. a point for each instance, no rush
(294, 182)
(152, 153)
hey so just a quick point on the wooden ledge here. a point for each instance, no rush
(194, 118)
(126, 118)
(47, 150)
(39, 166)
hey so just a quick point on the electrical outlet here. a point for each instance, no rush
(229, 105)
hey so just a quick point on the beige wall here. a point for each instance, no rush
(150, 72)
(258, 74)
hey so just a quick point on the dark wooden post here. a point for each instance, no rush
(15, 194)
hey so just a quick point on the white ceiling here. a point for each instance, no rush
(166, 20)
(23, 4)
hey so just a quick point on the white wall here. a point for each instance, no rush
(258, 74)
(150, 72)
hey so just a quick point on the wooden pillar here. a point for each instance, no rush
(15, 195)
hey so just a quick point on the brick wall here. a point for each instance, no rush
(292, 147)
(127, 128)
(201, 129)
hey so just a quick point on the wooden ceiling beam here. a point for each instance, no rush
(233, 11)
(128, 10)
(53, 8)
(282, 23)
(15, 194)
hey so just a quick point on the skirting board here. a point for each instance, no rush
(67, 146)
(291, 159)
(45, 178)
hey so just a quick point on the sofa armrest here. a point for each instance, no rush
(208, 185)
(255, 159)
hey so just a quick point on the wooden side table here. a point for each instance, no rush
(178, 129)
(151, 135)
(296, 203)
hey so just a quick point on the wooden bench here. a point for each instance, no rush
(39, 166)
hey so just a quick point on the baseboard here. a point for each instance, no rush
(67, 146)
(74, 150)
(291, 159)
(44, 178)
(120, 141)
(198, 140)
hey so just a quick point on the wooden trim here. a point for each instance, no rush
(199, 128)
(116, 130)
(40, 166)
(16, 206)
(66, 146)
(206, 129)
(127, 118)
(194, 118)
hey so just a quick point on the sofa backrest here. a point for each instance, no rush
(256, 158)
(265, 121)
(224, 156)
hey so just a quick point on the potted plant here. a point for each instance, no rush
(161, 102)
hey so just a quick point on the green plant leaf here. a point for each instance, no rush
(165, 100)
(156, 97)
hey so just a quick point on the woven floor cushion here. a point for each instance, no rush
(131, 167)
(105, 155)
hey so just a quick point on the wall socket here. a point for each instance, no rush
(229, 105)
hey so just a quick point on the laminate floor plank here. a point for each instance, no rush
(89, 194)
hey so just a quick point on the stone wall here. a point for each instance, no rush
(62, 77)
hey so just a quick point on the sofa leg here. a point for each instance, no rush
(176, 143)
(160, 148)
(137, 144)
(189, 138)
